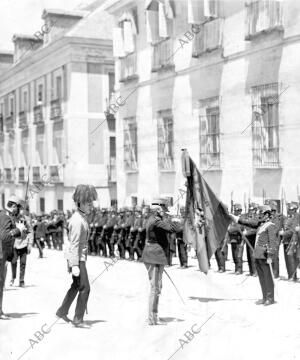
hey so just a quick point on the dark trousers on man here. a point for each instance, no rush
(22, 254)
(265, 279)
(250, 256)
(48, 240)
(80, 286)
(237, 256)
(291, 263)
(182, 252)
(40, 245)
(221, 259)
(2, 280)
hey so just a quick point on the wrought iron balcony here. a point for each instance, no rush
(36, 175)
(266, 158)
(55, 111)
(23, 120)
(56, 174)
(163, 55)
(128, 68)
(9, 123)
(38, 115)
(21, 174)
(111, 107)
(8, 175)
(208, 37)
(263, 16)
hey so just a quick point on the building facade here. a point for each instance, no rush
(53, 97)
(219, 78)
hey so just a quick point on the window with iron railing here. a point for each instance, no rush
(38, 114)
(130, 144)
(263, 15)
(54, 174)
(165, 142)
(163, 55)
(55, 110)
(208, 36)
(210, 139)
(21, 174)
(265, 126)
(8, 175)
(36, 176)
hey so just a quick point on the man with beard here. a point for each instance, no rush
(9, 230)
(155, 254)
(76, 255)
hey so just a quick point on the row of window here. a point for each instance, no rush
(8, 175)
(8, 108)
(261, 16)
(265, 133)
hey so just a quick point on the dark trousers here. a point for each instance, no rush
(60, 239)
(291, 263)
(237, 256)
(40, 245)
(221, 259)
(80, 286)
(54, 240)
(250, 257)
(275, 265)
(182, 252)
(48, 240)
(121, 249)
(265, 279)
(22, 254)
(2, 280)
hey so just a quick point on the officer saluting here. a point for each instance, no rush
(155, 254)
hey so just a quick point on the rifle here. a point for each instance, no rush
(231, 202)
(245, 203)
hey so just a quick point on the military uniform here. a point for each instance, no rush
(129, 222)
(236, 241)
(250, 234)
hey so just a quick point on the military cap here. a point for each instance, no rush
(265, 208)
(293, 206)
(14, 199)
(237, 207)
(253, 206)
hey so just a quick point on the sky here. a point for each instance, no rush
(25, 16)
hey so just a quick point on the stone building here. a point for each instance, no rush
(53, 97)
(219, 78)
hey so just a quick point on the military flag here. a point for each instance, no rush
(205, 233)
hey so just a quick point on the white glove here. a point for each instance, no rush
(75, 271)
(21, 227)
(234, 217)
(297, 228)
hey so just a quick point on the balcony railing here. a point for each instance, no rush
(9, 123)
(128, 68)
(208, 37)
(21, 175)
(266, 158)
(36, 175)
(23, 120)
(112, 171)
(263, 16)
(163, 55)
(56, 174)
(110, 112)
(38, 115)
(55, 111)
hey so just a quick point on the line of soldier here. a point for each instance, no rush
(287, 234)
(125, 229)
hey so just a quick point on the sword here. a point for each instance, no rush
(273, 279)
(174, 286)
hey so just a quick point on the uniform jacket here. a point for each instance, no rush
(266, 240)
(289, 227)
(78, 237)
(155, 251)
(23, 241)
(40, 230)
(235, 233)
(8, 232)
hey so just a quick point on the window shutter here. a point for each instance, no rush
(118, 43)
(128, 37)
(162, 19)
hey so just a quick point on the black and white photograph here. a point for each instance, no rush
(149, 179)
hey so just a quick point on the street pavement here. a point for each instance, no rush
(218, 319)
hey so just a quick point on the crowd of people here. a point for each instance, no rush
(125, 233)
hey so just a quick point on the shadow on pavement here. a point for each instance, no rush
(170, 319)
(93, 322)
(205, 300)
(21, 315)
